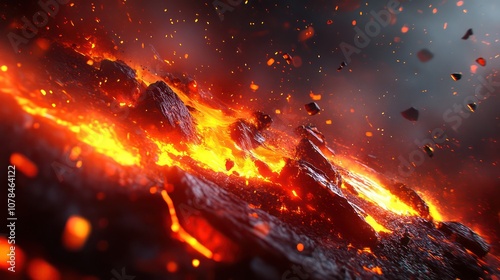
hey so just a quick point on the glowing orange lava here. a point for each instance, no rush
(375, 225)
(183, 235)
(213, 152)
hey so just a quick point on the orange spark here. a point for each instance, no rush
(39, 269)
(76, 232)
(24, 164)
(315, 97)
(254, 87)
(172, 267)
(300, 247)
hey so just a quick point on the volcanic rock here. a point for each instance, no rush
(236, 230)
(313, 134)
(68, 67)
(410, 197)
(410, 114)
(262, 120)
(162, 107)
(316, 191)
(466, 237)
(312, 108)
(246, 135)
(307, 151)
(120, 80)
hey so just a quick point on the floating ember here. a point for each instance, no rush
(481, 61)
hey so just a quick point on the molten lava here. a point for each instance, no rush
(214, 150)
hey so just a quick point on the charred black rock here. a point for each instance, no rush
(246, 135)
(69, 67)
(262, 120)
(312, 108)
(467, 34)
(466, 237)
(405, 240)
(312, 133)
(314, 189)
(119, 79)
(163, 108)
(410, 197)
(307, 151)
(238, 231)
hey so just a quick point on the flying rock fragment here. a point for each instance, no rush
(429, 150)
(456, 76)
(424, 55)
(410, 114)
(467, 34)
(312, 108)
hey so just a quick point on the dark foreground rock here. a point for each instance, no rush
(466, 237)
(316, 191)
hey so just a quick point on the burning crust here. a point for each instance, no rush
(312, 208)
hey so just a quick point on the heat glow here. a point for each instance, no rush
(213, 151)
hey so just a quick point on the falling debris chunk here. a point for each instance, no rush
(312, 108)
(481, 61)
(472, 107)
(288, 58)
(410, 114)
(262, 120)
(342, 65)
(424, 55)
(456, 76)
(468, 34)
(429, 150)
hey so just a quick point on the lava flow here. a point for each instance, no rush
(167, 130)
